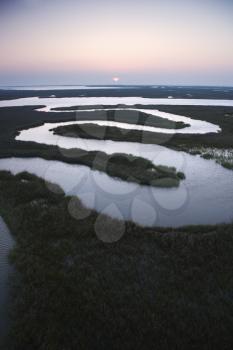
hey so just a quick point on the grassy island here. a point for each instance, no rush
(99, 132)
(152, 286)
(120, 165)
(124, 116)
(137, 169)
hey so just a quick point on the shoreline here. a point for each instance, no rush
(67, 265)
(7, 243)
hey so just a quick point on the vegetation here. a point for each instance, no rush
(140, 170)
(169, 287)
(217, 146)
(221, 156)
(120, 165)
(163, 288)
(129, 168)
(124, 116)
(15, 118)
(95, 131)
(130, 91)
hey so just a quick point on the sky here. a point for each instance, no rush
(183, 42)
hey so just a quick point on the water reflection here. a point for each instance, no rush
(204, 197)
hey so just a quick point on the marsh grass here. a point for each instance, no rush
(169, 288)
(223, 157)
(122, 166)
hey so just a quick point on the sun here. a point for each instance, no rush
(115, 79)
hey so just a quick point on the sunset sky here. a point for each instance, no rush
(91, 41)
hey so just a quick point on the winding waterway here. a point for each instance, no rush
(54, 102)
(204, 197)
(194, 126)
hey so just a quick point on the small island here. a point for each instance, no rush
(103, 132)
(123, 116)
(138, 170)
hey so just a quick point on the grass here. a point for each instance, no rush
(139, 170)
(214, 143)
(169, 287)
(223, 157)
(122, 166)
(95, 131)
(124, 116)
(15, 118)
(128, 91)
(142, 171)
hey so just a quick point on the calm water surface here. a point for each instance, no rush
(204, 197)
(55, 102)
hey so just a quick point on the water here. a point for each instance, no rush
(6, 244)
(195, 126)
(157, 154)
(204, 197)
(109, 101)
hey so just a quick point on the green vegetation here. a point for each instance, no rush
(163, 288)
(99, 132)
(169, 287)
(221, 156)
(16, 118)
(140, 170)
(91, 131)
(216, 146)
(124, 116)
(120, 165)
(227, 165)
(123, 166)
(224, 93)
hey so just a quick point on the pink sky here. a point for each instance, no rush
(130, 39)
